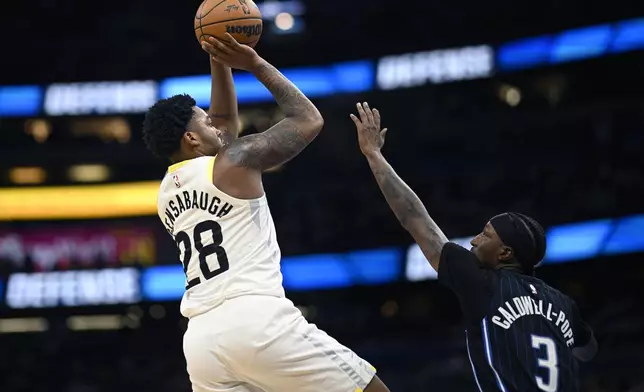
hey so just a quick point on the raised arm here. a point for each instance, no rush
(286, 139)
(223, 101)
(409, 210)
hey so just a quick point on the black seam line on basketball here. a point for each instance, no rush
(226, 21)
(201, 27)
(199, 11)
(216, 5)
(199, 19)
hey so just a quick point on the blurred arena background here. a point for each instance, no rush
(534, 106)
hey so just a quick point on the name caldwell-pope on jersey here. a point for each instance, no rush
(527, 306)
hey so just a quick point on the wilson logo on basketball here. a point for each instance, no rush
(248, 31)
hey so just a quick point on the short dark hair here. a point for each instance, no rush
(165, 124)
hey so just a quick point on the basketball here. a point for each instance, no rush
(239, 18)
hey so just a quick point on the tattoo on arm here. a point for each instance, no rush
(409, 210)
(286, 139)
(268, 149)
(290, 99)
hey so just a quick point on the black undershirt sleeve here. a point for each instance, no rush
(459, 271)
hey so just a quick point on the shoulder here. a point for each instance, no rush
(452, 250)
(236, 155)
(235, 172)
(456, 258)
(244, 151)
(556, 296)
(554, 292)
(474, 285)
(460, 269)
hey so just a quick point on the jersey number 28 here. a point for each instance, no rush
(548, 361)
(182, 238)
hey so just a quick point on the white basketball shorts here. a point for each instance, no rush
(260, 343)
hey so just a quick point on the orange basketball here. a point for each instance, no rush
(239, 18)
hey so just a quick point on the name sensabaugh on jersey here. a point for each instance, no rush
(189, 200)
(228, 246)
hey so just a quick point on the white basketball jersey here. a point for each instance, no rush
(228, 246)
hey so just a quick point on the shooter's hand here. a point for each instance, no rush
(231, 53)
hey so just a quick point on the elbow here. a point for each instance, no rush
(587, 352)
(317, 123)
(582, 355)
(315, 120)
(310, 124)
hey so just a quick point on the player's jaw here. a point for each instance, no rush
(214, 142)
(208, 138)
(215, 139)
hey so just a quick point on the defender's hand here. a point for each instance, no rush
(231, 53)
(370, 137)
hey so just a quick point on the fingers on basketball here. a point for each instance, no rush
(208, 47)
(231, 41)
(219, 46)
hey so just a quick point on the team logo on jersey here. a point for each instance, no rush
(176, 181)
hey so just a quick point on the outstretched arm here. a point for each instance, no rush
(409, 210)
(286, 139)
(223, 101)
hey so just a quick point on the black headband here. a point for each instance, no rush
(515, 233)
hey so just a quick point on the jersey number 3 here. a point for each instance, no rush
(546, 359)
(182, 238)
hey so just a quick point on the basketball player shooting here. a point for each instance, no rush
(521, 334)
(243, 334)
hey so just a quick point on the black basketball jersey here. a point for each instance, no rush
(520, 332)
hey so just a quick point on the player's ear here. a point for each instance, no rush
(192, 139)
(505, 253)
